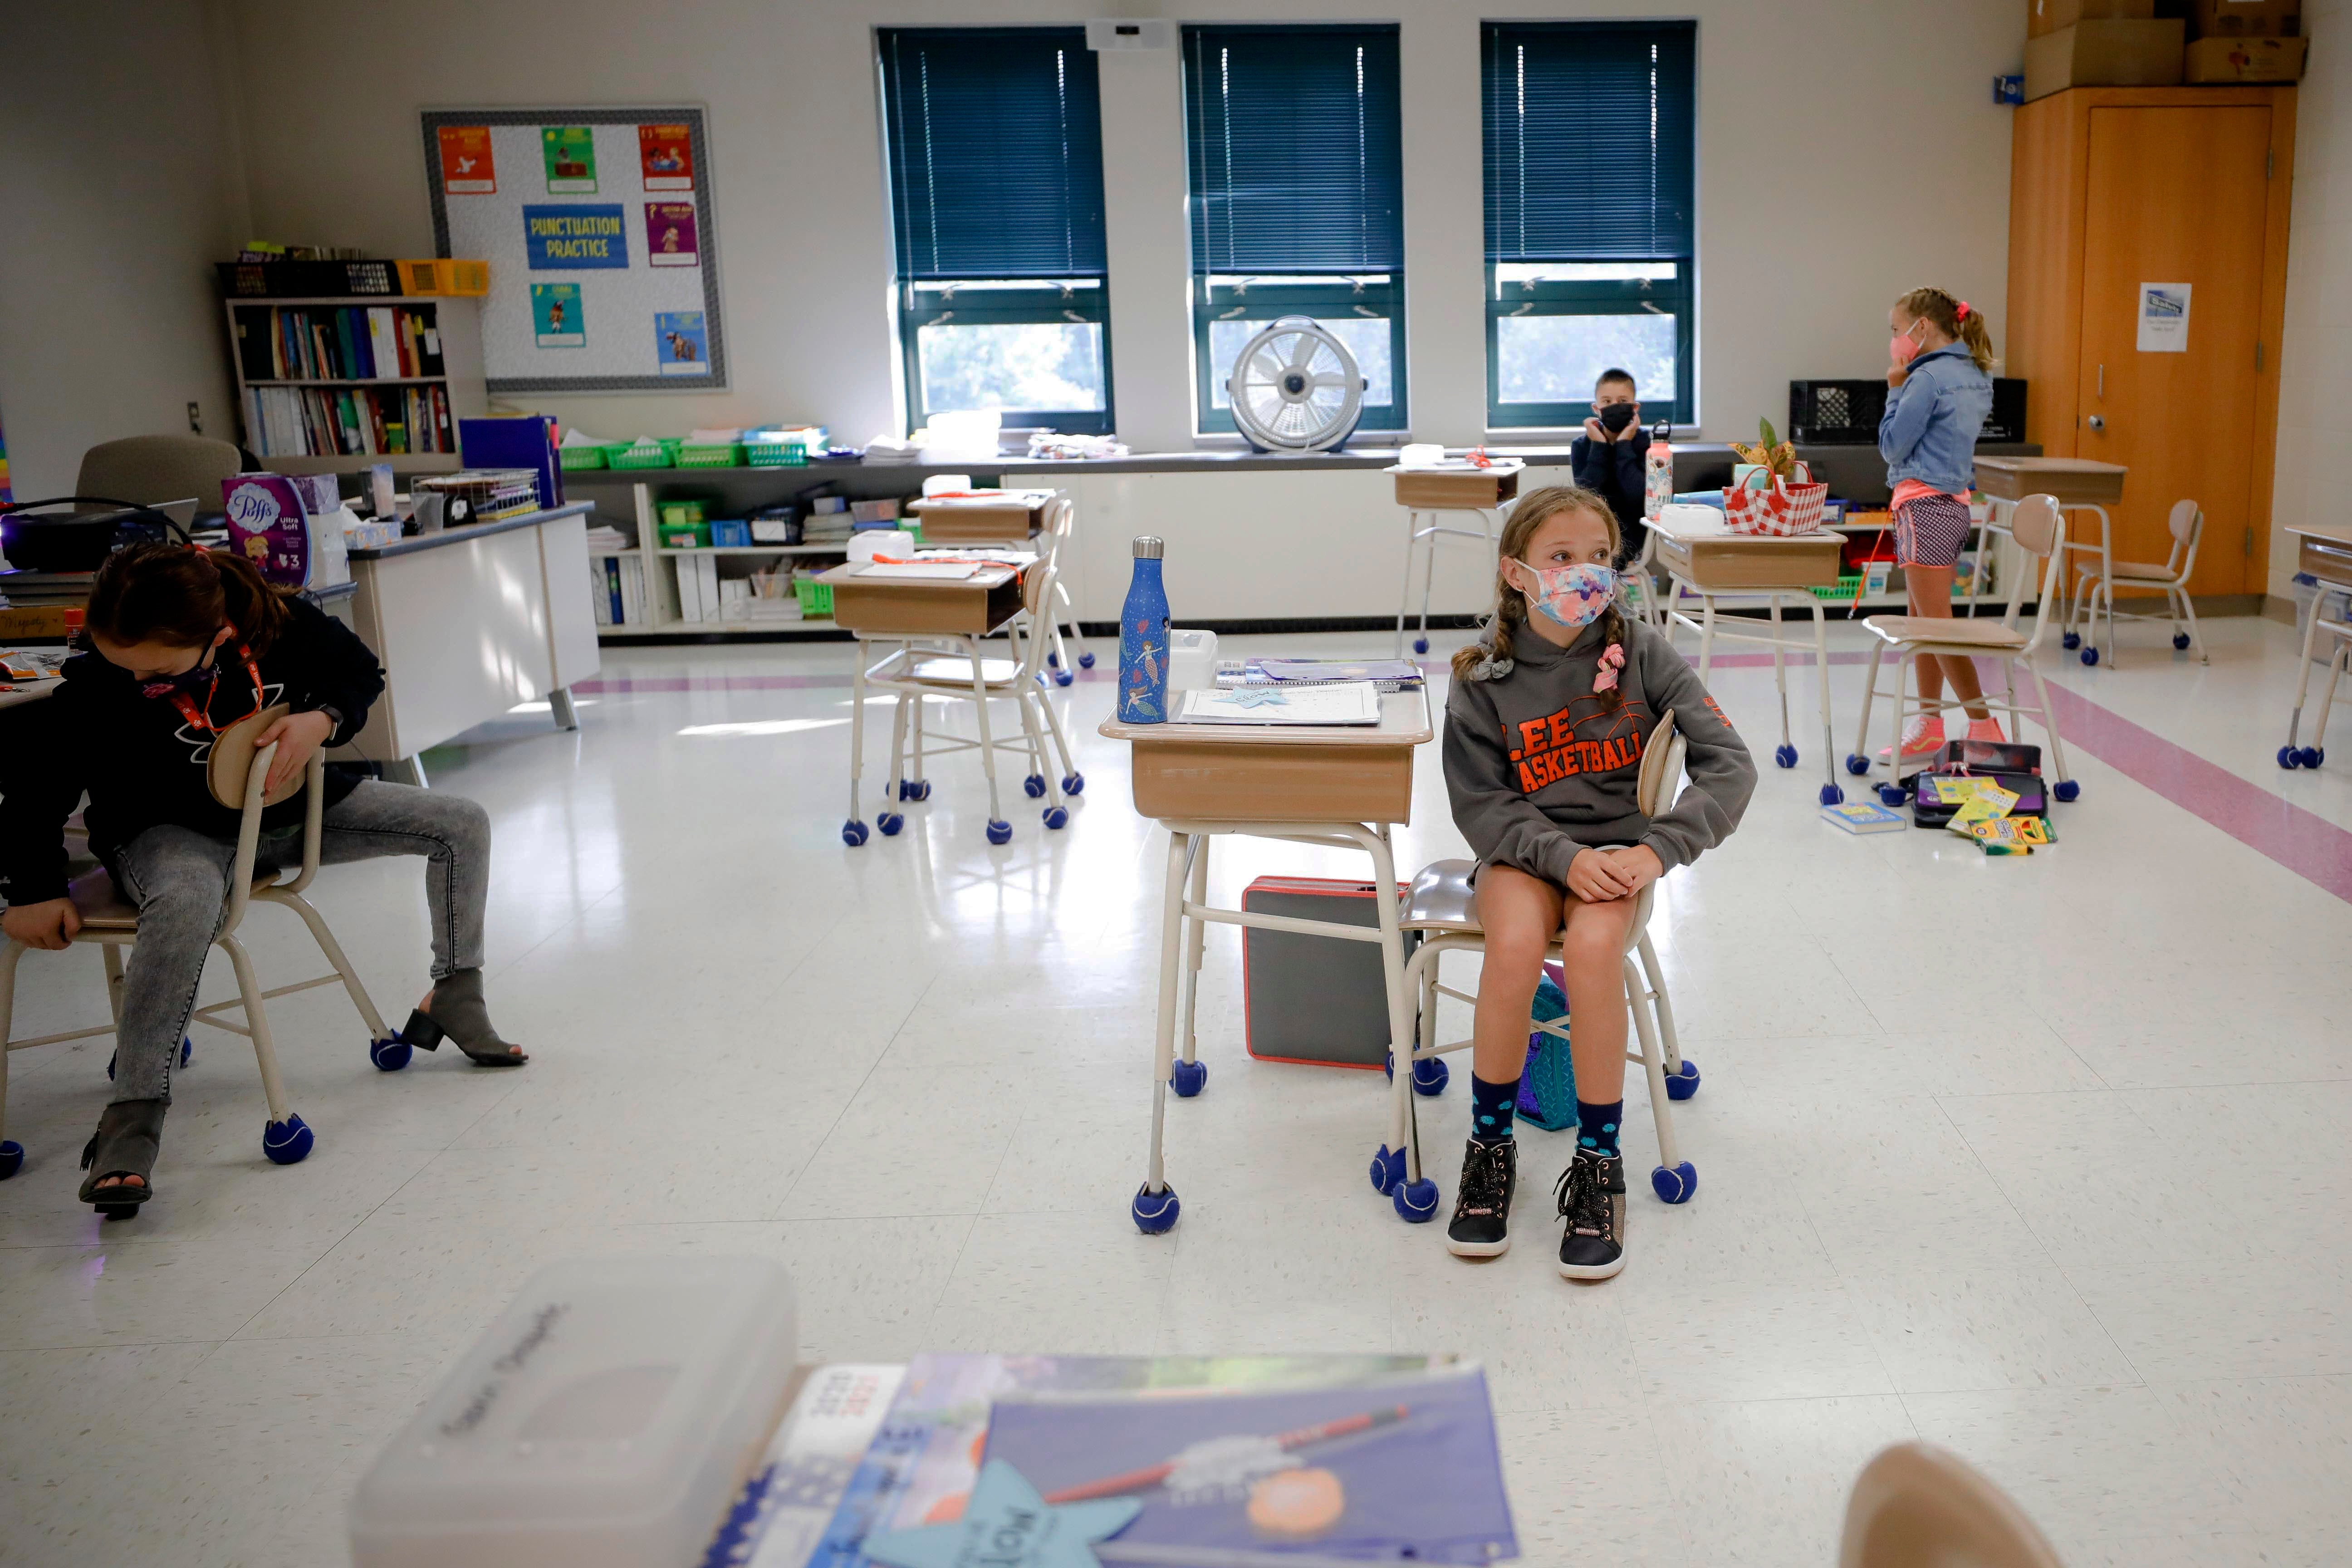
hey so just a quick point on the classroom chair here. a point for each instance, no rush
(1919, 1507)
(2035, 525)
(112, 922)
(1443, 909)
(1060, 522)
(2095, 586)
(151, 470)
(916, 674)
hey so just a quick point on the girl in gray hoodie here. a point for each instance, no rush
(1550, 714)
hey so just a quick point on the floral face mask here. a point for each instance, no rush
(1572, 596)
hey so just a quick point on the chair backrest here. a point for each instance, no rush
(2036, 527)
(2187, 526)
(1919, 1507)
(148, 469)
(1662, 765)
(1037, 598)
(1056, 527)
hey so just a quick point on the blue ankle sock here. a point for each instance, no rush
(1491, 1105)
(1596, 1125)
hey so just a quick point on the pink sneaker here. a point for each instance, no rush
(1923, 737)
(1985, 729)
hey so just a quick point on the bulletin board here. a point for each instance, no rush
(602, 242)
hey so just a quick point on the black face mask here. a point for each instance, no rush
(1616, 417)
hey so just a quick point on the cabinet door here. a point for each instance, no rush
(2176, 195)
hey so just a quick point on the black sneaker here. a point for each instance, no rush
(1592, 1193)
(1482, 1213)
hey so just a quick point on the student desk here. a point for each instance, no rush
(906, 613)
(2324, 553)
(1338, 787)
(2077, 484)
(1749, 567)
(1424, 492)
(1012, 519)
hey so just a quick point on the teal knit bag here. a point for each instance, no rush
(1548, 1084)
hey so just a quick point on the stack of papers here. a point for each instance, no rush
(1345, 702)
(918, 571)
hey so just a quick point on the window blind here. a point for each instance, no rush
(1292, 138)
(995, 151)
(1590, 140)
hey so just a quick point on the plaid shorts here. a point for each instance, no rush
(1929, 530)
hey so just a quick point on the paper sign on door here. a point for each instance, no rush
(2164, 318)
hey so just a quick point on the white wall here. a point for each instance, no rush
(2314, 416)
(1849, 149)
(119, 178)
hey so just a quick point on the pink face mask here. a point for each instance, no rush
(1903, 346)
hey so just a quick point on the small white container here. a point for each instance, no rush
(1192, 661)
(866, 544)
(604, 1421)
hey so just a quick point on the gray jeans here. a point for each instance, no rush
(179, 879)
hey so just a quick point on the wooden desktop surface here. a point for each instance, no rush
(2323, 551)
(973, 606)
(2074, 481)
(1279, 773)
(1714, 563)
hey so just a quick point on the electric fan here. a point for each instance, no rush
(1296, 388)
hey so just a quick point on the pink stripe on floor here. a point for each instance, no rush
(2303, 842)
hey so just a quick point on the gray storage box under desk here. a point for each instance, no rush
(1319, 1000)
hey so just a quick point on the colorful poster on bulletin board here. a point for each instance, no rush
(466, 169)
(604, 216)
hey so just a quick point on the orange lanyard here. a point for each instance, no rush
(201, 718)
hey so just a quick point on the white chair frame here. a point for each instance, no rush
(1424, 537)
(1443, 908)
(2034, 524)
(110, 922)
(2095, 586)
(953, 667)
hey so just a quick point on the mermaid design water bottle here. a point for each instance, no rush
(1143, 640)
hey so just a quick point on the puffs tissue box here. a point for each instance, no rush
(604, 1421)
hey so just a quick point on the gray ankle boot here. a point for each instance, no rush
(457, 1011)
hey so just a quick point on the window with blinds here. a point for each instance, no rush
(994, 151)
(1297, 199)
(1592, 215)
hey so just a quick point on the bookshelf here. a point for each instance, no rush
(327, 338)
(662, 596)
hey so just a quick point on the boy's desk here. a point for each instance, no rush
(1715, 564)
(1337, 787)
(2322, 553)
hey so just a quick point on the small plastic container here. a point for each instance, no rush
(680, 511)
(730, 531)
(686, 536)
(816, 598)
(655, 454)
(713, 454)
(604, 1421)
(577, 458)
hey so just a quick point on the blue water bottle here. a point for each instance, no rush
(1143, 640)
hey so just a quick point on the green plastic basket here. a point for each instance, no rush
(642, 455)
(582, 456)
(1846, 590)
(775, 454)
(718, 454)
(816, 598)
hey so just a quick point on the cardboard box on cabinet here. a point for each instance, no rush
(2246, 60)
(2106, 54)
(2049, 15)
(2245, 19)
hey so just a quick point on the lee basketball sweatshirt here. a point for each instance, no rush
(1540, 766)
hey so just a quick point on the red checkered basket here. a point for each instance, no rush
(1782, 511)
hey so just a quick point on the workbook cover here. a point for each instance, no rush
(927, 1455)
(1401, 1469)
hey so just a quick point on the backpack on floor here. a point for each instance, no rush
(1547, 1085)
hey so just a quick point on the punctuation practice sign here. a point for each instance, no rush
(601, 239)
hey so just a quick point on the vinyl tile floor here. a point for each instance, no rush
(2043, 1160)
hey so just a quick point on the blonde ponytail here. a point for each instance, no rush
(1956, 319)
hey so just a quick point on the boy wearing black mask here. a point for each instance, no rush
(1607, 459)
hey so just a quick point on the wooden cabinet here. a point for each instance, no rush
(2113, 188)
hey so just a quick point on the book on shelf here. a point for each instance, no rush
(338, 421)
(338, 342)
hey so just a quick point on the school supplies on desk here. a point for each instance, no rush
(918, 571)
(925, 1456)
(1290, 672)
(1347, 702)
(1399, 1468)
(1232, 673)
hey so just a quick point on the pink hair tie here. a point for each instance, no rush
(1612, 659)
(1964, 311)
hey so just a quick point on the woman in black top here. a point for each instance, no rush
(186, 643)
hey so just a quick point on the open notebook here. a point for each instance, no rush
(1345, 703)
